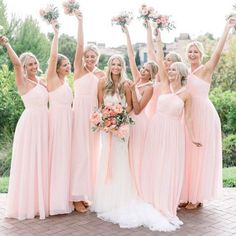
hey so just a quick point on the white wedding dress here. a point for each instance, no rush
(115, 198)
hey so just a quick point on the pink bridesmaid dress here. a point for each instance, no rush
(203, 172)
(163, 160)
(60, 131)
(151, 107)
(85, 142)
(136, 143)
(28, 185)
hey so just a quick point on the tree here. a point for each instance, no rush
(137, 59)
(67, 47)
(29, 38)
(225, 74)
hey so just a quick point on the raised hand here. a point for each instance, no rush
(3, 40)
(231, 22)
(78, 14)
(55, 26)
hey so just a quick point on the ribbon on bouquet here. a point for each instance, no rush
(109, 164)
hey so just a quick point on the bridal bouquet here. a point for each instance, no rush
(123, 19)
(70, 6)
(112, 118)
(162, 22)
(50, 14)
(146, 13)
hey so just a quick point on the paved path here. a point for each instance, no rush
(215, 218)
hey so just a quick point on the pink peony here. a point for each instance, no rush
(118, 109)
(95, 118)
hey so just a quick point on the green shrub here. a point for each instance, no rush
(225, 103)
(4, 184)
(229, 150)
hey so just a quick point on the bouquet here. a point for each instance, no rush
(112, 118)
(146, 13)
(70, 6)
(123, 19)
(50, 14)
(162, 22)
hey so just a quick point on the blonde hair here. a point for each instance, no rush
(183, 71)
(92, 47)
(174, 56)
(109, 83)
(154, 69)
(198, 45)
(60, 58)
(24, 58)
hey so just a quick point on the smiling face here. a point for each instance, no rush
(173, 73)
(64, 68)
(116, 66)
(194, 55)
(31, 67)
(90, 58)
(145, 72)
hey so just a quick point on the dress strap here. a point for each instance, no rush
(180, 90)
(94, 69)
(198, 68)
(144, 84)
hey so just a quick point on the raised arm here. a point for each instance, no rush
(133, 66)
(19, 71)
(78, 62)
(160, 61)
(188, 120)
(212, 63)
(150, 45)
(52, 64)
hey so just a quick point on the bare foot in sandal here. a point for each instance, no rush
(192, 206)
(79, 207)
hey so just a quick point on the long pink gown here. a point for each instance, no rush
(203, 172)
(151, 107)
(60, 131)
(164, 152)
(28, 185)
(85, 142)
(136, 144)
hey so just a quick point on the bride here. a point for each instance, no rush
(116, 198)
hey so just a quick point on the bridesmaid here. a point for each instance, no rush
(170, 58)
(142, 90)
(85, 143)
(60, 128)
(164, 148)
(28, 185)
(203, 177)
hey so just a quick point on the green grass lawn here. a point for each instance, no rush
(4, 184)
(229, 179)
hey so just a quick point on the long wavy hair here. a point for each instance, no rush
(109, 83)
(24, 59)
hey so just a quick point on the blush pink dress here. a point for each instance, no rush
(203, 172)
(151, 107)
(60, 131)
(28, 185)
(85, 142)
(163, 160)
(136, 143)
